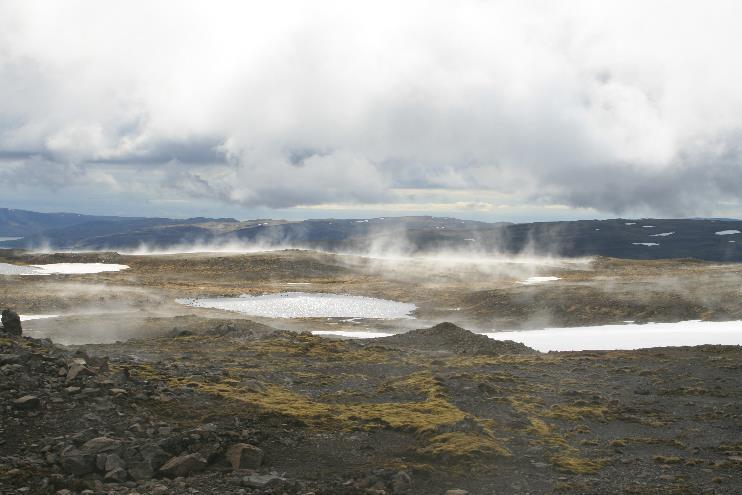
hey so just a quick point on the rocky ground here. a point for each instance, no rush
(247, 409)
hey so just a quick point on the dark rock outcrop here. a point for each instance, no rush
(447, 337)
(11, 322)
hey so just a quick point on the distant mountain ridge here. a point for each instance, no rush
(707, 239)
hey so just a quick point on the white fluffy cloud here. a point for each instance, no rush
(613, 106)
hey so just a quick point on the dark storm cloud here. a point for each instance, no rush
(614, 106)
(198, 150)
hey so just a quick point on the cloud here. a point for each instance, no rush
(614, 106)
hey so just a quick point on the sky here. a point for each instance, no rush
(488, 110)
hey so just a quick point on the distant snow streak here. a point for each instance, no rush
(538, 280)
(632, 336)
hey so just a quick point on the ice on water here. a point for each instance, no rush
(307, 305)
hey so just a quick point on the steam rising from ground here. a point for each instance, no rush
(390, 249)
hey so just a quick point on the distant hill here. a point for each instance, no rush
(708, 239)
(73, 229)
(19, 223)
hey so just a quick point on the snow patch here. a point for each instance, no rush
(664, 234)
(60, 268)
(645, 244)
(538, 280)
(727, 232)
(37, 317)
(632, 336)
(350, 334)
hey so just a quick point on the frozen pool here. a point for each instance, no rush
(307, 305)
(60, 268)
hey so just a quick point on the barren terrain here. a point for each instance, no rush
(424, 413)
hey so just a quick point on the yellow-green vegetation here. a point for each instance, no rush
(463, 445)
(579, 412)
(649, 441)
(562, 455)
(415, 401)
(426, 412)
(661, 459)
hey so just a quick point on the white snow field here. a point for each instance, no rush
(632, 336)
(60, 268)
(607, 337)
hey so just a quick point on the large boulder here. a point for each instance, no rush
(11, 322)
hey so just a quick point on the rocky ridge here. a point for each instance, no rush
(449, 338)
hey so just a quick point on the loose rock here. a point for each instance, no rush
(244, 456)
(184, 465)
(27, 402)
